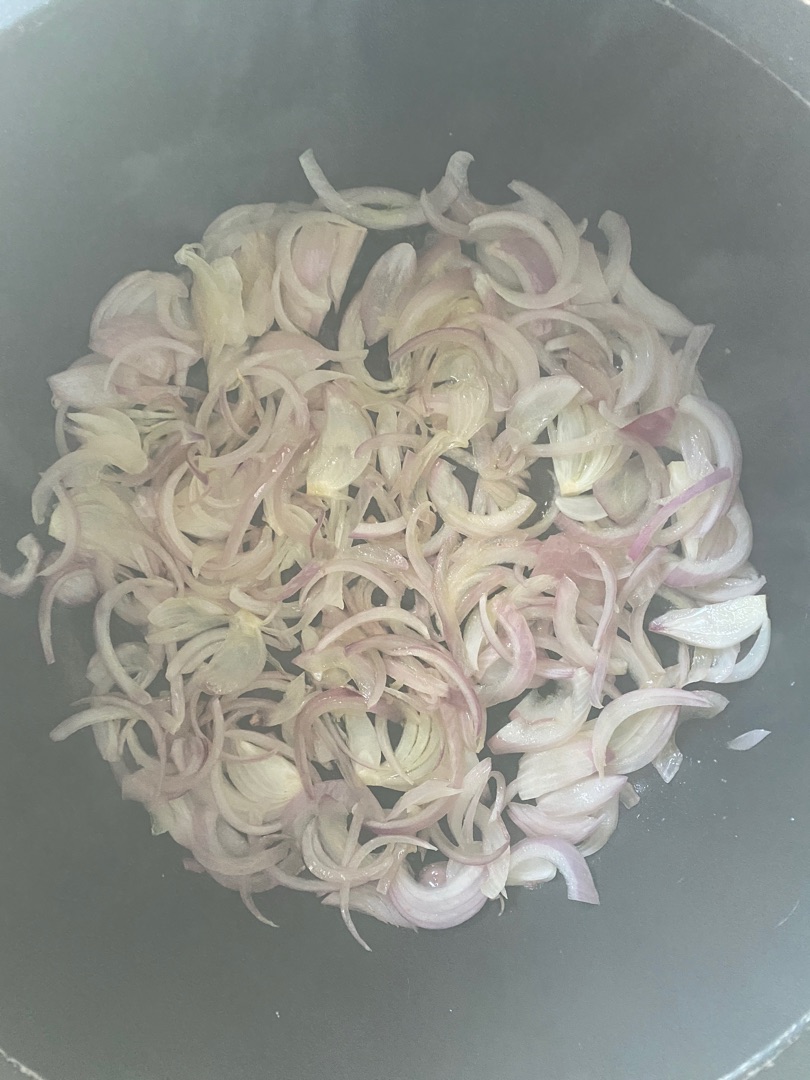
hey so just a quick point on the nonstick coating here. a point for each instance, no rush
(124, 129)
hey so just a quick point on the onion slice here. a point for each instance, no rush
(439, 906)
(565, 858)
(748, 739)
(715, 626)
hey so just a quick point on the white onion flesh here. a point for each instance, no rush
(328, 570)
(748, 739)
(715, 626)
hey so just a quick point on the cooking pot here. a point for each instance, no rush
(124, 129)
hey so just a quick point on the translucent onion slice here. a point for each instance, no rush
(715, 626)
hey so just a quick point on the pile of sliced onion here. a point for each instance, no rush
(315, 568)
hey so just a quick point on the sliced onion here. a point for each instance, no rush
(335, 463)
(715, 626)
(625, 492)
(754, 658)
(535, 822)
(382, 294)
(216, 298)
(748, 739)
(18, 583)
(630, 704)
(697, 571)
(534, 408)
(449, 502)
(726, 446)
(581, 507)
(438, 907)
(364, 517)
(366, 900)
(565, 858)
(585, 797)
(663, 315)
(541, 723)
(719, 476)
(617, 268)
(396, 218)
(84, 385)
(578, 474)
(528, 869)
(267, 781)
(653, 427)
(549, 770)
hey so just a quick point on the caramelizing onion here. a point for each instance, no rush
(316, 564)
